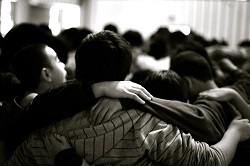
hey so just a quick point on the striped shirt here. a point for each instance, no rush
(130, 137)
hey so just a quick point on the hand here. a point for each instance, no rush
(104, 109)
(227, 65)
(121, 89)
(56, 143)
(218, 94)
(242, 126)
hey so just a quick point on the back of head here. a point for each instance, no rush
(192, 45)
(158, 43)
(134, 38)
(72, 37)
(189, 63)
(111, 27)
(28, 64)
(166, 84)
(103, 56)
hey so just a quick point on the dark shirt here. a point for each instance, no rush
(17, 123)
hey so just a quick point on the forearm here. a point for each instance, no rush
(228, 145)
(190, 118)
(242, 84)
(183, 149)
(98, 89)
(240, 105)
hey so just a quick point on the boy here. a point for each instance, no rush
(38, 68)
(129, 137)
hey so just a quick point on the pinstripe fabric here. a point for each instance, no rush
(129, 138)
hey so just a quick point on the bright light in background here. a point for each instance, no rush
(183, 28)
(63, 16)
(6, 20)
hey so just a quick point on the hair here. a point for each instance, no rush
(24, 34)
(111, 27)
(103, 56)
(133, 37)
(176, 38)
(72, 37)
(158, 43)
(28, 64)
(192, 45)
(166, 84)
(190, 63)
(139, 76)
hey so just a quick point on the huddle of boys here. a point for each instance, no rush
(134, 136)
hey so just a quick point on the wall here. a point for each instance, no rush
(223, 20)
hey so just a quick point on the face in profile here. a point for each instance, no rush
(57, 69)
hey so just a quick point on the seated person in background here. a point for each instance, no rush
(166, 84)
(136, 43)
(131, 136)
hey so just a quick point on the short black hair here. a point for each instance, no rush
(190, 63)
(103, 56)
(28, 64)
(166, 84)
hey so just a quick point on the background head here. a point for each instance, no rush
(166, 84)
(194, 70)
(111, 27)
(190, 63)
(103, 56)
(38, 63)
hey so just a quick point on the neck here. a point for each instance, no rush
(211, 85)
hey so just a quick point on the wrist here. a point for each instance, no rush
(233, 134)
(98, 89)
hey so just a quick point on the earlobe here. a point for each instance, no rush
(45, 74)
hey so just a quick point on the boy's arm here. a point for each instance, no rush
(238, 131)
(231, 95)
(241, 77)
(75, 96)
(170, 146)
(202, 120)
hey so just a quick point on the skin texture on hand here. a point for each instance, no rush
(56, 143)
(121, 89)
(104, 109)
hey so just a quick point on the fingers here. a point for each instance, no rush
(104, 109)
(134, 96)
(95, 111)
(141, 91)
(100, 117)
(62, 139)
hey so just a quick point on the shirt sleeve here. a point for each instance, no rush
(206, 120)
(59, 103)
(168, 145)
(242, 85)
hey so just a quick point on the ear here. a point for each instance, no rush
(188, 81)
(46, 75)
